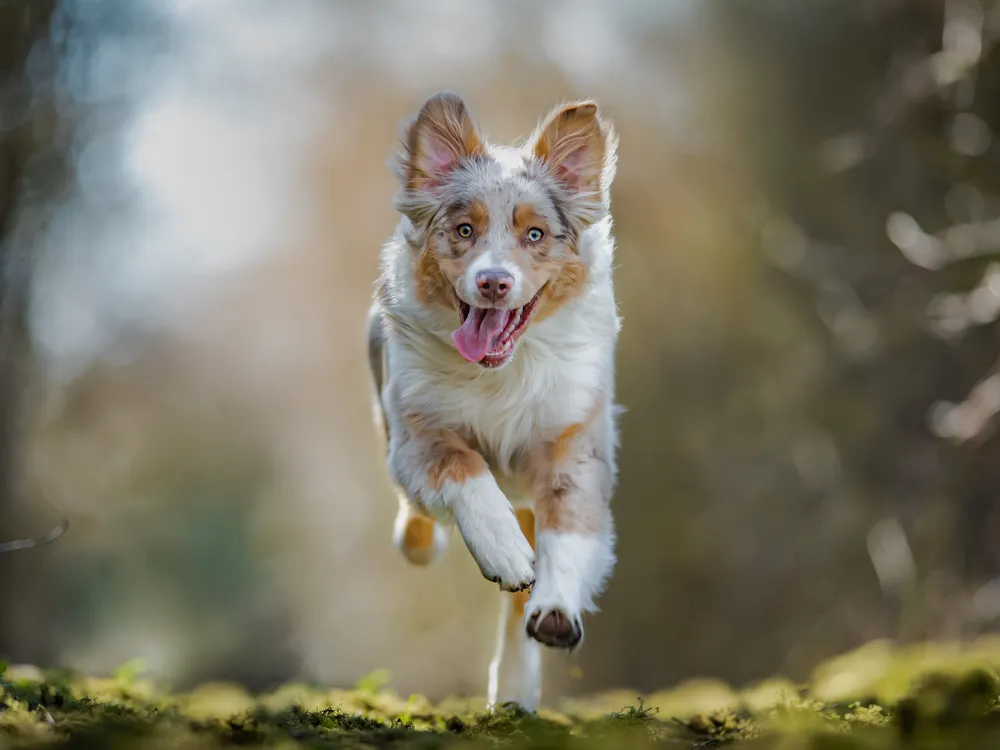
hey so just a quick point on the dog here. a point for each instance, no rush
(491, 339)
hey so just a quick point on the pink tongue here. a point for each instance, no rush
(479, 333)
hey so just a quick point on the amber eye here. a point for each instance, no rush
(535, 234)
(464, 231)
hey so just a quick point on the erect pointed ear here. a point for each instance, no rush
(437, 141)
(579, 148)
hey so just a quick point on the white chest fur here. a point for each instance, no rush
(507, 411)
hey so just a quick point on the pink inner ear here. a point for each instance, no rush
(575, 168)
(439, 159)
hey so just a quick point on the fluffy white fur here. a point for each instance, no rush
(526, 686)
(560, 379)
(570, 573)
(564, 364)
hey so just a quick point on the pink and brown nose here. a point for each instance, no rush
(494, 283)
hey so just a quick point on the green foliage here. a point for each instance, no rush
(946, 703)
(373, 681)
(128, 672)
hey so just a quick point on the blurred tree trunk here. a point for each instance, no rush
(848, 128)
(22, 24)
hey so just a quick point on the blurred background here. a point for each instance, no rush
(192, 198)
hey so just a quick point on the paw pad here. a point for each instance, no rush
(555, 629)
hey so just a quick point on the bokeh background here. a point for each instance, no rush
(192, 198)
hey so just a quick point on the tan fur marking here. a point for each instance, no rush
(563, 288)
(552, 508)
(559, 509)
(564, 276)
(562, 445)
(433, 285)
(479, 216)
(419, 533)
(526, 520)
(526, 217)
(453, 460)
(533, 258)
(446, 255)
(558, 505)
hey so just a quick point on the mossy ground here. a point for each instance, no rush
(877, 697)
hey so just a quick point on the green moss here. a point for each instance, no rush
(877, 697)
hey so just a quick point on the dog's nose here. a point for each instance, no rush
(494, 283)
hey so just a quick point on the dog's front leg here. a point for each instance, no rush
(574, 538)
(449, 479)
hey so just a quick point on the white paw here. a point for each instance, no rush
(494, 538)
(506, 560)
(571, 570)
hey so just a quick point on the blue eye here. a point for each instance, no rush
(535, 234)
(464, 231)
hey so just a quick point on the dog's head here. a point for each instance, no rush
(496, 229)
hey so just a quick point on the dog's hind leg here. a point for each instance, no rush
(418, 536)
(531, 650)
(511, 632)
(531, 669)
(496, 663)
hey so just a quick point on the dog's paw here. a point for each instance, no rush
(553, 626)
(501, 551)
(491, 532)
(508, 562)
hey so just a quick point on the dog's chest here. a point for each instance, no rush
(508, 411)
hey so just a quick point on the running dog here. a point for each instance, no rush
(491, 342)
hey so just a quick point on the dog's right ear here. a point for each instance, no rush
(436, 142)
(580, 149)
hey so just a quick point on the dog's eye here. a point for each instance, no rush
(464, 231)
(535, 234)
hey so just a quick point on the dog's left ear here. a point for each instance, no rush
(439, 139)
(581, 150)
(435, 144)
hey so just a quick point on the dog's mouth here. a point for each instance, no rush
(488, 336)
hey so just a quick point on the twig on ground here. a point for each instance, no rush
(38, 541)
